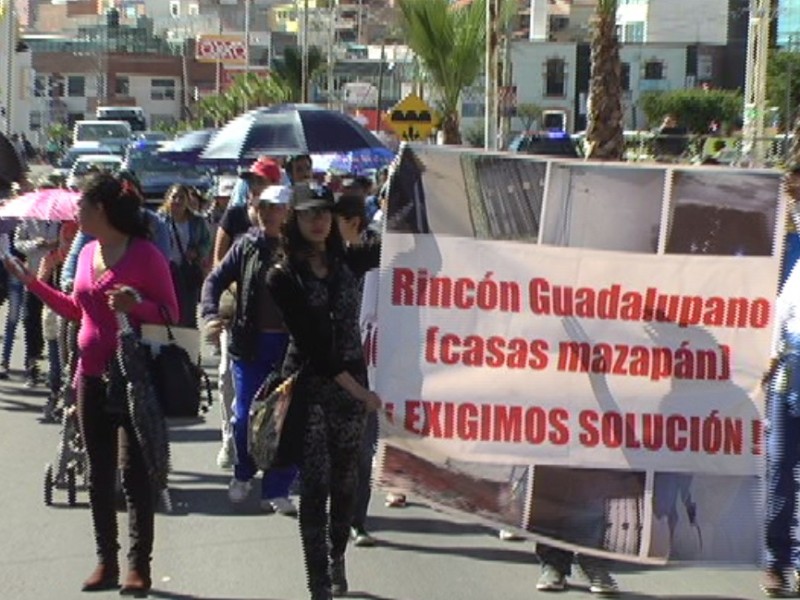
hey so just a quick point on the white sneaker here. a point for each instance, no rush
(238, 491)
(225, 456)
(283, 506)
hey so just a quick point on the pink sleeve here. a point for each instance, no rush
(156, 288)
(61, 303)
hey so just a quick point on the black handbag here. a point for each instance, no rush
(182, 386)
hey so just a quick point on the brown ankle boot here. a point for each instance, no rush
(104, 577)
(137, 583)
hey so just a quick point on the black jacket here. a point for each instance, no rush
(249, 254)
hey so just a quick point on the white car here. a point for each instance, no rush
(84, 164)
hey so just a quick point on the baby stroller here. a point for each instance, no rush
(71, 468)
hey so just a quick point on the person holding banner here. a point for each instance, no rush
(557, 565)
(782, 382)
(352, 222)
(316, 288)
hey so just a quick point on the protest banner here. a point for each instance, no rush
(576, 349)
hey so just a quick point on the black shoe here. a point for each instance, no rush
(3, 372)
(338, 577)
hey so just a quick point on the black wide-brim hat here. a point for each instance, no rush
(309, 198)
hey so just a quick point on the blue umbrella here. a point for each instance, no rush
(287, 130)
(361, 161)
(186, 148)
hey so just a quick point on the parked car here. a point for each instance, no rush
(544, 143)
(114, 134)
(69, 158)
(84, 164)
(156, 173)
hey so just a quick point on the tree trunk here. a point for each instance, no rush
(604, 134)
(451, 129)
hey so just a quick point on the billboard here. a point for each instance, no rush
(227, 49)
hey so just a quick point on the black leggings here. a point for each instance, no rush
(108, 435)
(329, 469)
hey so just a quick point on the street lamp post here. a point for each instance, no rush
(11, 59)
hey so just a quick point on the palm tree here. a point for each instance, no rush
(604, 139)
(257, 90)
(290, 69)
(449, 42)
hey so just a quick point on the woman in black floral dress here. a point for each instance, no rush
(316, 287)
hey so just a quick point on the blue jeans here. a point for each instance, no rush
(248, 375)
(783, 458)
(16, 297)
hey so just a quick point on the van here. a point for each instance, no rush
(113, 134)
(134, 115)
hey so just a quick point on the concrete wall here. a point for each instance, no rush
(687, 21)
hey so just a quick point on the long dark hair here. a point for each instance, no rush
(295, 248)
(121, 200)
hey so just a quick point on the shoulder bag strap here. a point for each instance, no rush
(178, 239)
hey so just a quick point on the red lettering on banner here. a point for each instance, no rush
(477, 351)
(757, 436)
(420, 288)
(640, 361)
(537, 425)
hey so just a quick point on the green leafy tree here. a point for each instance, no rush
(289, 70)
(604, 136)
(694, 109)
(528, 113)
(59, 133)
(448, 41)
(783, 84)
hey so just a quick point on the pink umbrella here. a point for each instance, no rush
(42, 205)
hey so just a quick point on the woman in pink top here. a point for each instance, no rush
(120, 258)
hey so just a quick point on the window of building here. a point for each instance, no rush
(625, 77)
(122, 86)
(632, 33)
(193, 10)
(558, 23)
(40, 83)
(555, 77)
(162, 89)
(175, 8)
(653, 70)
(76, 86)
(35, 121)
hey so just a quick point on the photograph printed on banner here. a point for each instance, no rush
(487, 196)
(495, 493)
(722, 213)
(604, 207)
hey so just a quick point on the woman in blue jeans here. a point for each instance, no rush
(782, 380)
(16, 298)
(258, 338)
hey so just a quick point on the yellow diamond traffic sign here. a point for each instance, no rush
(412, 118)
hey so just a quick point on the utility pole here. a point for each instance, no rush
(247, 4)
(304, 59)
(12, 52)
(379, 102)
(755, 91)
(490, 80)
(331, 45)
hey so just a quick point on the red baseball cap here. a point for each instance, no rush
(266, 168)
